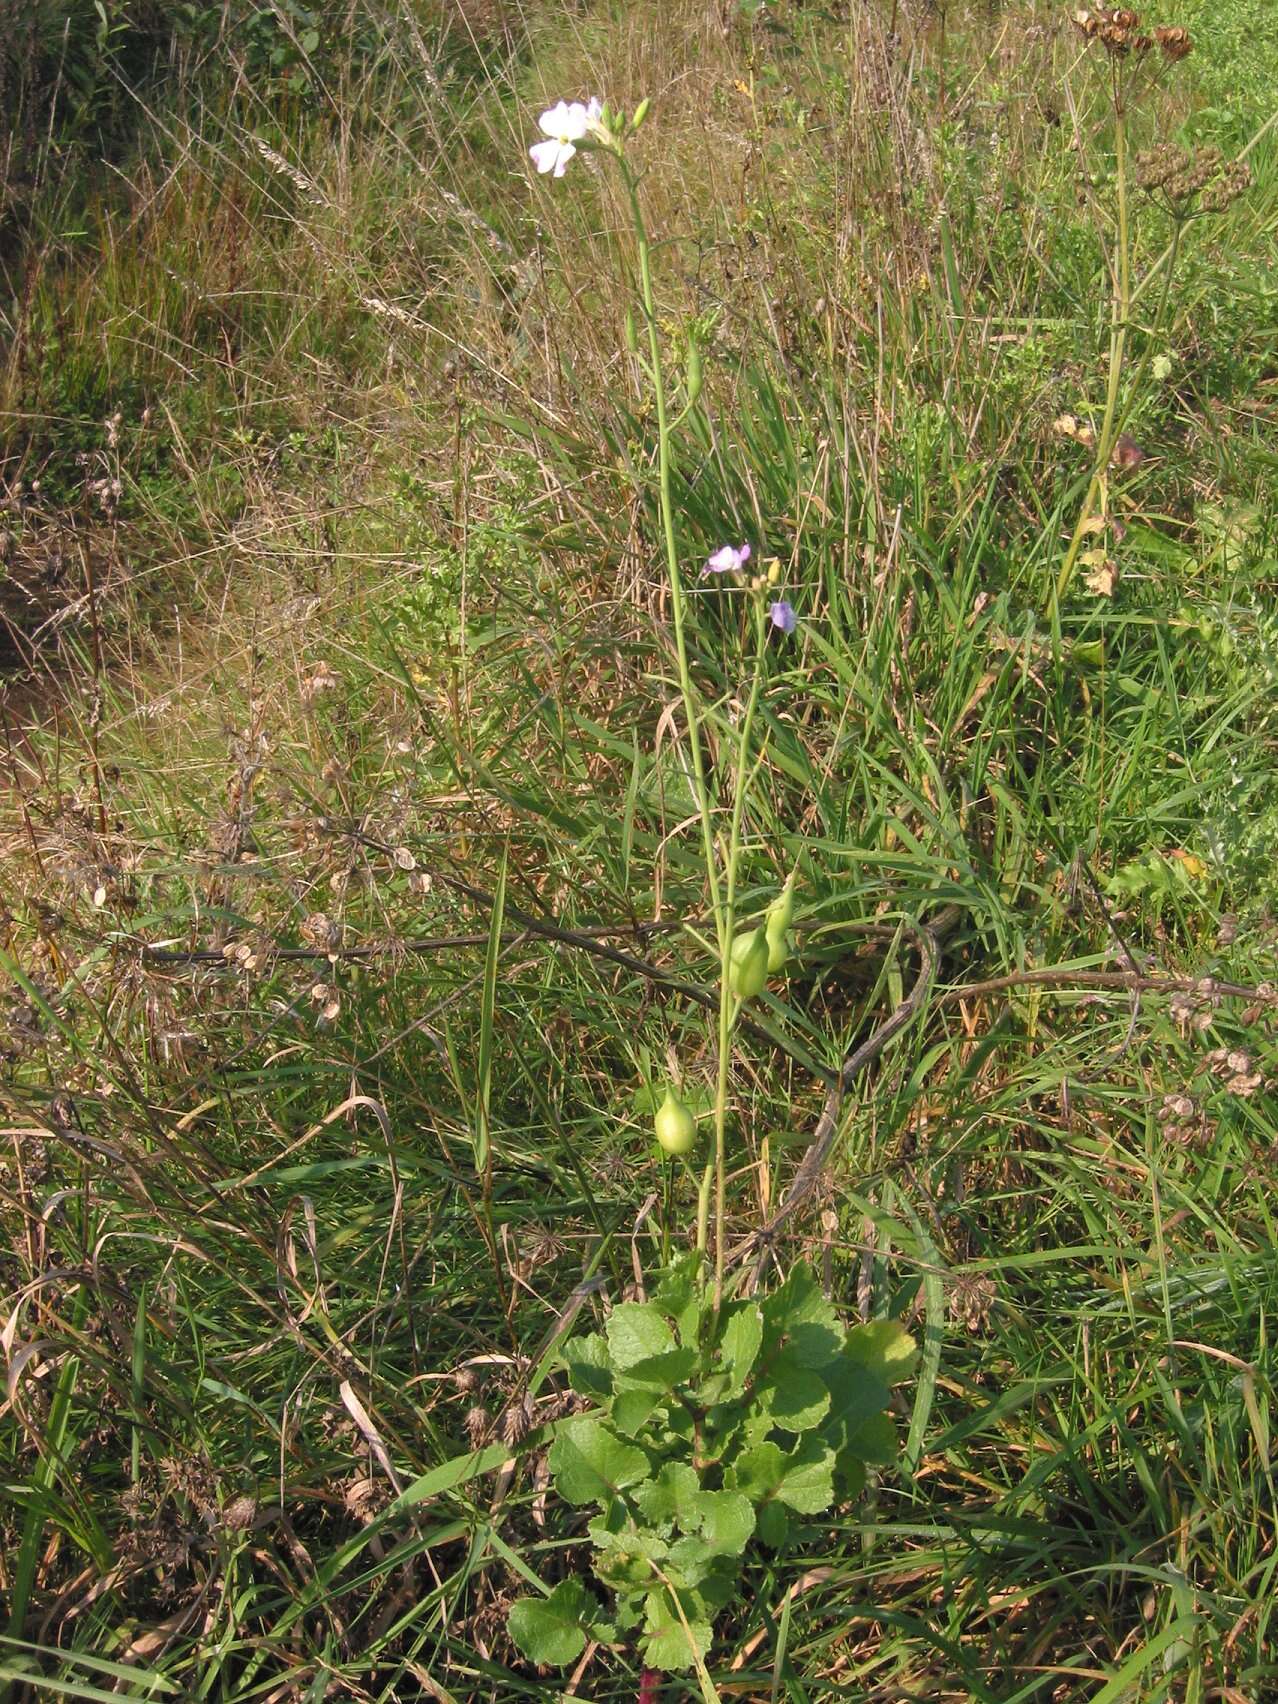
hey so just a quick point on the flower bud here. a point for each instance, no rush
(641, 112)
(675, 1127)
(632, 332)
(774, 570)
(748, 965)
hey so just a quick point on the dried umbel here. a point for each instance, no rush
(1174, 42)
(1115, 27)
(1181, 179)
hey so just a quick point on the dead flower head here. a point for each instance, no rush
(1174, 42)
(1115, 28)
(1237, 1069)
(970, 1300)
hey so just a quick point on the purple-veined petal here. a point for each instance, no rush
(782, 616)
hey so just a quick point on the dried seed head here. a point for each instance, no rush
(239, 1514)
(466, 1381)
(970, 1299)
(1174, 42)
(516, 1422)
(476, 1424)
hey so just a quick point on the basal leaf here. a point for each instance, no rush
(774, 1525)
(667, 1645)
(659, 1372)
(739, 1343)
(590, 1463)
(553, 1629)
(681, 1296)
(757, 1472)
(632, 1409)
(673, 1490)
(589, 1367)
(855, 1394)
(885, 1348)
(874, 1440)
(797, 1398)
(726, 1519)
(636, 1331)
(799, 1316)
(807, 1485)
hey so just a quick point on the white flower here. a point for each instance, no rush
(565, 124)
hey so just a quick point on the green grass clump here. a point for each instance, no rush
(355, 915)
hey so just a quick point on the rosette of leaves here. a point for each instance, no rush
(710, 1435)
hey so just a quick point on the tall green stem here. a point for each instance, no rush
(666, 503)
(1119, 317)
(726, 1012)
(723, 904)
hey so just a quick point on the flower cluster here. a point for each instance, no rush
(731, 559)
(564, 125)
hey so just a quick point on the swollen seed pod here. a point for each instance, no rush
(778, 949)
(675, 1127)
(748, 965)
(776, 922)
(693, 375)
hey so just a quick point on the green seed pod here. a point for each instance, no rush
(776, 922)
(632, 332)
(778, 950)
(693, 376)
(641, 112)
(748, 965)
(675, 1127)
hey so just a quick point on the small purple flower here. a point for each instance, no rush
(783, 616)
(728, 559)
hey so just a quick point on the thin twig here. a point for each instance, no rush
(1125, 981)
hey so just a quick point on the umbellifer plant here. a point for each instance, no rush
(712, 1432)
